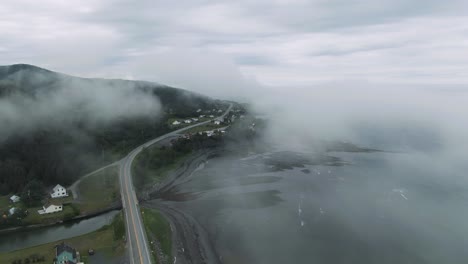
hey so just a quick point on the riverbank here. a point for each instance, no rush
(68, 221)
(158, 231)
(190, 242)
(108, 240)
(94, 194)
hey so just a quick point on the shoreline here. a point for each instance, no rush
(190, 241)
(74, 219)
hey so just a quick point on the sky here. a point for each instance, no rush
(235, 45)
(319, 66)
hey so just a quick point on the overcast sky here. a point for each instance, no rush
(240, 43)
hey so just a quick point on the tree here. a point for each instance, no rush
(33, 193)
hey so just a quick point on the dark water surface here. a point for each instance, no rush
(374, 207)
(25, 239)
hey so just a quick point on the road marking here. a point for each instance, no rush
(129, 235)
(126, 166)
(133, 220)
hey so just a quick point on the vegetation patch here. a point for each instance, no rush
(108, 239)
(206, 127)
(159, 234)
(33, 217)
(4, 202)
(99, 191)
(152, 165)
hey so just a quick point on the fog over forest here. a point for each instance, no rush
(358, 156)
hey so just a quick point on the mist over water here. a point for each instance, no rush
(381, 208)
(406, 203)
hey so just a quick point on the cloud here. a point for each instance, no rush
(67, 102)
(301, 57)
(273, 42)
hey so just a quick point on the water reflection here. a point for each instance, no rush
(24, 239)
(375, 207)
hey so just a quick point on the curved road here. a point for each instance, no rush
(136, 236)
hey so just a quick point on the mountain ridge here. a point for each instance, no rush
(58, 127)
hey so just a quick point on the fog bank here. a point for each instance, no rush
(48, 99)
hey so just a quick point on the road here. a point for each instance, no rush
(136, 236)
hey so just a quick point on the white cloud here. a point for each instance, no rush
(274, 43)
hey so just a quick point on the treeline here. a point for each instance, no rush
(158, 159)
(55, 154)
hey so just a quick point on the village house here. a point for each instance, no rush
(58, 191)
(65, 254)
(50, 208)
(217, 122)
(176, 123)
(12, 210)
(195, 119)
(202, 116)
(199, 110)
(211, 115)
(188, 121)
(15, 199)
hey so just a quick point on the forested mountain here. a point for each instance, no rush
(55, 127)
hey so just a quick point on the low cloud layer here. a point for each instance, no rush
(320, 68)
(391, 117)
(284, 43)
(70, 102)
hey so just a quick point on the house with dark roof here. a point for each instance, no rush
(65, 254)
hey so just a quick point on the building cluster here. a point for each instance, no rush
(195, 119)
(50, 207)
(57, 192)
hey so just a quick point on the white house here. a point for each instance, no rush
(12, 210)
(217, 122)
(199, 110)
(50, 208)
(15, 199)
(59, 191)
(195, 119)
(176, 123)
(202, 116)
(220, 111)
(211, 115)
(188, 121)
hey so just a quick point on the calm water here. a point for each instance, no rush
(379, 208)
(19, 240)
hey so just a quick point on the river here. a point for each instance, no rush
(24, 239)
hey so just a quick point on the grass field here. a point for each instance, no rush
(4, 203)
(146, 175)
(35, 218)
(99, 191)
(158, 228)
(107, 240)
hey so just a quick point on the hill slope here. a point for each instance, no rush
(55, 127)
